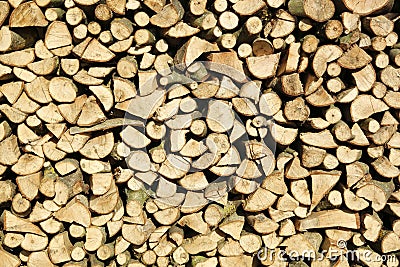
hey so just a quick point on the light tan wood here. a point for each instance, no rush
(168, 15)
(258, 67)
(23, 74)
(366, 105)
(242, 124)
(105, 203)
(58, 46)
(368, 7)
(323, 56)
(121, 28)
(89, 50)
(283, 25)
(9, 259)
(74, 212)
(13, 240)
(192, 49)
(326, 218)
(15, 40)
(60, 248)
(208, 21)
(27, 14)
(8, 191)
(103, 12)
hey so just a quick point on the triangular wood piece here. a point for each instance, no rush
(124, 89)
(283, 135)
(5, 10)
(193, 49)
(233, 226)
(10, 145)
(80, 48)
(263, 67)
(253, 203)
(366, 105)
(57, 35)
(76, 212)
(388, 119)
(39, 258)
(227, 63)
(38, 90)
(295, 170)
(28, 15)
(275, 182)
(322, 183)
(70, 112)
(18, 58)
(104, 95)
(8, 260)
(12, 91)
(29, 185)
(329, 219)
(354, 58)
(390, 242)
(182, 29)
(50, 114)
(139, 106)
(323, 139)
(93, 51)
(297, 243)
(91, 113)
(117, 6)
(169, 15)
(60, 248)
(320, 98)
(57, 129)
(359, 137)
(12, 223)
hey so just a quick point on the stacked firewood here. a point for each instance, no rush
(199, 133)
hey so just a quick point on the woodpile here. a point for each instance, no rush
(199, 133)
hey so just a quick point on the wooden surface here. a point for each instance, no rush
(199, 133)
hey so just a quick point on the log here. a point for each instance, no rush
(8, 191)
(323, 56)
(198, 132)
(168, 15)
(15, 39)
(9, 259)
(326, 219)
(53, 42)
(27, 14)
(314, 10)
(284, 24)
(368, 7)
(354, 58)
(246, 8)
(258, 67)
(76, 212)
